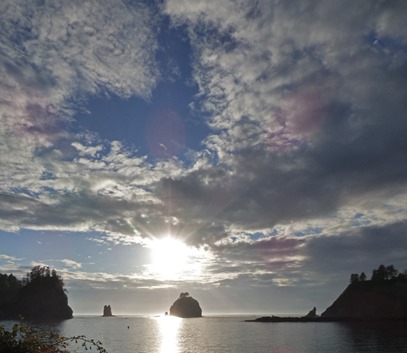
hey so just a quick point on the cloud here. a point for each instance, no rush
(305, 101)
(306, 112)
(53, 56)
(309, 261)
(63, 51)
(110, 190)
(71, 263)
(8, 258)
(280, 69)
(37, 263)
(361, 250)
(270, 261)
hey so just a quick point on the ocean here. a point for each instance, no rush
(231, 334)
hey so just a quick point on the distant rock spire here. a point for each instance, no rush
(312, 313)
(107, 310)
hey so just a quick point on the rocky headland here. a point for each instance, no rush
(39, 296)
(186, 307)
(371, 300)
(383, 297)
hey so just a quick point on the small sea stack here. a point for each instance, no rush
(107, 311)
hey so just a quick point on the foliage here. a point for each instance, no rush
(24, 339)
(9, 288)
(354, 277)
(382, 273)
(41, 273)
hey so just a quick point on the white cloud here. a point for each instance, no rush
(56, 55)
(71, 263)
(38, 263)
(8, 258)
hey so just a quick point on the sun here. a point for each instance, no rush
(170, 257)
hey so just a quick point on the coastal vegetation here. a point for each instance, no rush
(40, 295)
(22, 338)
(382, 273)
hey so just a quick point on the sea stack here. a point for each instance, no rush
(312, 314)
(107, 311)
(186, 307)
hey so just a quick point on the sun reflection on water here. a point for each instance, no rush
(169, 330)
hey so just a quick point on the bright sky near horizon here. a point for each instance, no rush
(251, 153)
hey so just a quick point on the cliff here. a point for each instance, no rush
(43, 299)
(186, 307)
(386, 299)
(41, 296)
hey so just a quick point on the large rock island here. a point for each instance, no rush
(39, 296)
(186, 307)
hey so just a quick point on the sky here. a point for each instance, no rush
(251, 153)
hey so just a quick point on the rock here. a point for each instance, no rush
(43, 299)
(107, 311)
(385, 299)
(186, 307)
(41, 296)
(312, 313)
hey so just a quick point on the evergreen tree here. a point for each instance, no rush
(354, 277)
(379, 274)
(391, 272)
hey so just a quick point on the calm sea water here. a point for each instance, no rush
(232, 334)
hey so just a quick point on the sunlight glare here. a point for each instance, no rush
(169, 257)
(169, 328)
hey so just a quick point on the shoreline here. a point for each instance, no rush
(324, 319)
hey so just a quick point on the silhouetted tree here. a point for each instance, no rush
(402, 275)
(379, 274)
(354, 277)
(384, 273)
(9, 288)
(391, 272)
